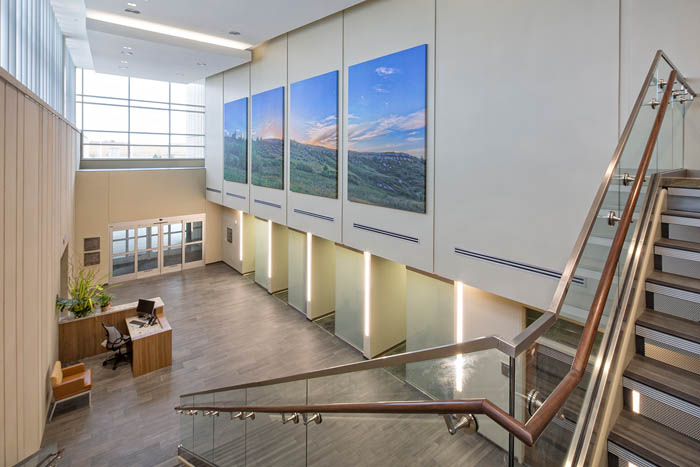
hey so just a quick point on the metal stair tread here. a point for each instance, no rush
(653, 441)
(672, 380)
(675, 281)
(670, 324)
(678, 244)
(674, 213)
(681, 182)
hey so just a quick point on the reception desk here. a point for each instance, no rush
(80, 338)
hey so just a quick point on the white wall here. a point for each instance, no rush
(236, 85)
(239, 257)
(325, 38)
(268, 70)
(670, 25)
(525, 101)
(214, 138)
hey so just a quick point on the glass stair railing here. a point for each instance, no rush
(487, 401)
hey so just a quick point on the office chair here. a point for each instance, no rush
(116, 341)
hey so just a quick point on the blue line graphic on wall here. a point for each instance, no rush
(236, 141)
(267, 138)
(387, 99)
(313, 132)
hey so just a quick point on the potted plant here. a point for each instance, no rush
(83, 289)
(104, 299)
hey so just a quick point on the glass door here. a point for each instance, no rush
(172, 247)
(123, 249)
(194, 243)
(156, 246)
(148, 250)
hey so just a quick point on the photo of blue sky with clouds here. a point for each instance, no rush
(313, 131)
(313, 111)
(267, 134)
(268, 114)
(386, 130)
(386, 103)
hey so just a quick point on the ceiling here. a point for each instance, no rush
(98, 42)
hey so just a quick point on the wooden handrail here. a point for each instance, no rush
(529, 432)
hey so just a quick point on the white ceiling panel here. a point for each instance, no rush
(156, 55)
(256, 20)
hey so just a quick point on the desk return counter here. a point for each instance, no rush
(152, 346)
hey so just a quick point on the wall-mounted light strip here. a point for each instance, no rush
(459, 332)
(269, 249)
(635, 401)
(240, 236)
(459, 312)
(368, 265)
(165, 30)
(308, 267)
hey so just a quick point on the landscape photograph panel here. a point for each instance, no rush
(267, 139)
(236, 141)
(313, 131)
(386, 130)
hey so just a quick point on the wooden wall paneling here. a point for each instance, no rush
(46, 259)
(19, 309)
(10, 278)
(3, 356)
(30, 305)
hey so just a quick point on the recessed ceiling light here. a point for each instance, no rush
(163, 29)
(126, 47)
(131, 3)
(124, 61)
(132, 10)
(234, 33)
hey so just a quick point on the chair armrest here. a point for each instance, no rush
(70, 388)
(73, 370)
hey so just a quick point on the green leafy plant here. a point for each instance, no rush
(84, 289)
(104, 298)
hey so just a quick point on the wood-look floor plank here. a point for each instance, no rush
(226, 331)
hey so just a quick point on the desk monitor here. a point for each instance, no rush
(146, 308)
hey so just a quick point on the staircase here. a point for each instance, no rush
(660, 421)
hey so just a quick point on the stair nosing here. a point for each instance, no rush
(658, 383)
(649, 313)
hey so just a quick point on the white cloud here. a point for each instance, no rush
(380, 89)
(365, 131)
(386, 71)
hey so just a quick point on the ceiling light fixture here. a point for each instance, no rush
(131, 4)
(163, 29)
(124, 61)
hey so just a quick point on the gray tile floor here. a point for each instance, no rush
(227, 331)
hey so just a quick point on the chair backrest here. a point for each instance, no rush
(114, 336)
(56, 374)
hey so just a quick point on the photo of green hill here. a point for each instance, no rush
(313, 170)
(386, 130)
(267, 139)
(313, 128)
(267, 163)
(236, 141)
(390, 179)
